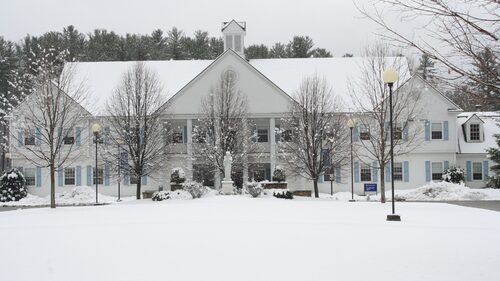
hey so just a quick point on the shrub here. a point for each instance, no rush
(493, 182)
(12, 186)
(253, 188)
(178, 176)
(171, 195)
(283, 195)
(454, 175)
(279, 174)
(195, 189)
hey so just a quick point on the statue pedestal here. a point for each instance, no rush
(227, 187)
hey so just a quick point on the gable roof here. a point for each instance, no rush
(491, 122)
(242, 25)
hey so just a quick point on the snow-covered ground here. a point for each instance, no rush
(242, 238)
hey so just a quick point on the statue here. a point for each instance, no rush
(228, 161)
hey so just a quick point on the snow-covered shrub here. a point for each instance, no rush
(253, 188)
(283, 195)
(12, 186)
(493, 182)
(443, 191)
(454, 175)
(279, 174)
(178, 176)
(195, 189)
(171, 195)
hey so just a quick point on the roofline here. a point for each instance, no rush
(229, 22)
(456, 109)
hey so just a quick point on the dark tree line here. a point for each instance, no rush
(298, 47)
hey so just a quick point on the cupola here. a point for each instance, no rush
(234, 33)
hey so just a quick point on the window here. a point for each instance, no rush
(29, 138)
(99, 174)
(69, 137)
(229, 41)
(69, 176)
(474, 132)
(330, 174)
(437, 171)
(237, 43)
(366, 173)
(364, 132)
(398, 171)
(477, 171)
(133, 179)
(262, 135)
(437, 131)
(178, 136)
(259, 174)
(29, 176)
(398, 132)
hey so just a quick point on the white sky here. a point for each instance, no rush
(335, 25)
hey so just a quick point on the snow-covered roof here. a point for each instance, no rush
(490, 128)
(101, 78)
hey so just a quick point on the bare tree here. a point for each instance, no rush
(223, 126)
(453, 32)
(370, 99)
(48, 117)
(136, 123)
(314, 126)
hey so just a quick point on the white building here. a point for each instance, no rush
(450, 137)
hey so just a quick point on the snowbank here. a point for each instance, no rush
(80, 195)
(443, 191)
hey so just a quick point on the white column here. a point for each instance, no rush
(189, 161)
(272, 134)
(245, 150)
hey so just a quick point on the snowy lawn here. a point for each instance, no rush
(241, 238)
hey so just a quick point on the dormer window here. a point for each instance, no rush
(229, 41)
(475, 132)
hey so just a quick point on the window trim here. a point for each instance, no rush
(100, 175)
(26, 177)
(262, 128)
(480, 171)
(402, 171)
(66, 173)
(442, 129)
(432, 171)
(365, 167)
(364, 132)
(478, 133)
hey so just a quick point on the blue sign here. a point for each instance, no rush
(370, 187)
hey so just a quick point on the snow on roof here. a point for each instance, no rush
(102, 78)
(490, 128)
(339, 72)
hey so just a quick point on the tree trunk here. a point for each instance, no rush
(382, 184)
(52, 186)
(138, 193)
(316, 191)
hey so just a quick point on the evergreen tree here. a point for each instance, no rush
(74, 42)
(257, 52)
(158, 45)
(300, 47)
(216, 47)
(104, 46)
(348, 55)
(175, 44)
(278, 51)
(426, 68)
(200, 48)
(487, 70)
(321, 53)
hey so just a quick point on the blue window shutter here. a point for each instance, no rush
(20, 137)
(338, 174)
(321, 178)
(106, 135)
(355, 133)
(445, 130)
(446, 165)
(60, 176)
(356, 171)
(38, 136)
(38, 177)
(78, 172)
(89, 175)
(374, 171)
(388, 172)
(406, 171)
(78, 134)
(427, 130)
(468, 165)
(405, 133)
(126, 179)
(106, 175)
(486, 169)
(185, 134)
(427, 171)
(144, 180)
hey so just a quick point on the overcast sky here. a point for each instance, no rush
(334, 25)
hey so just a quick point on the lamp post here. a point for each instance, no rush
(96, 129)
(120, 142)
(351, 123)
(390, 76)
